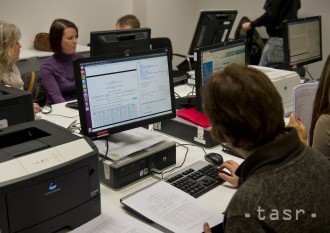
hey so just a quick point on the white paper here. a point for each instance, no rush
(303, 102)
(114, 222)
(125, 143)
(172, 208)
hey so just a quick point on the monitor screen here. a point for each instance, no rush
(213, 27)
(213, 58)
(302, 41)
(119, 41)
(121, 92)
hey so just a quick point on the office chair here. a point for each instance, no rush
(32, 83)
(178, 76)
(255, 43)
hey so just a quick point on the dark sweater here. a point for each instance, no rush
(57, 77)
(285, 188)
(276, 11)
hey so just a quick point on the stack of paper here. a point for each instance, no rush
(125, 143)
(171, 208)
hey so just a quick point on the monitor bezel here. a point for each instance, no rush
(198, 71)
(116, 129)
(125, 32)
(286, 46)
(202, 15)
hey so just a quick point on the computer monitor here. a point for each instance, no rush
(121, 92)
(213, 27)
(302, 41)
(16, 106)
(214, 58)
(119, 41)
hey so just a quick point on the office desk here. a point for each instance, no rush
(216, 199)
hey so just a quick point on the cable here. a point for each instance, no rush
(74, 127)
(309, 74)
(52, 114)
(107, 148)
(177, 95)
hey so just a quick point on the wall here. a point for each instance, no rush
(175, 19)
(35, 16)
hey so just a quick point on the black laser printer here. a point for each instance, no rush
(49, 178)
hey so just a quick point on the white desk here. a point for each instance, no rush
(216, 199)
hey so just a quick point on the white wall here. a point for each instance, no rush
(175, 19)
(35, 16)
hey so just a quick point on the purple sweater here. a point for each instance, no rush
(57, 77)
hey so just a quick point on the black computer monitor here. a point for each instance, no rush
(213, 27)
(119, 41)
(16, 106)
(302, 41)
(214, 58)
(121, 92)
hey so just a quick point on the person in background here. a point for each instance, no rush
(57, 71)
(9, 55)
(127, 22)
(276, 11)
(319, 132)
(284, 184)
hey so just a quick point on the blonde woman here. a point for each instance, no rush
(9, 55)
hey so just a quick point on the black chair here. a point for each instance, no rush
(178, 76)
(255, 43)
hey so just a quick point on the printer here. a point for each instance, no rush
(49, 178)
(284, 82)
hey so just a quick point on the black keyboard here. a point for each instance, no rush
(73, 105)
(196, 179)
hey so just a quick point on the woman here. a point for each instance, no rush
(319, 132)
(9, 55)
(56, 71)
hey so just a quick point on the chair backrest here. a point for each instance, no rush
(32, 83)
(303, 101)
(162, 42)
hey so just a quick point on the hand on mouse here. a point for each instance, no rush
(231, 166)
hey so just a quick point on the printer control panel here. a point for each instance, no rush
(44, 159)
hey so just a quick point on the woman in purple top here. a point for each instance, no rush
(57, 70)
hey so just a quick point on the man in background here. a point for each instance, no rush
(127, 22)
(276, 11)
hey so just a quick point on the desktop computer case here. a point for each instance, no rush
(117, 175)
(187, 131)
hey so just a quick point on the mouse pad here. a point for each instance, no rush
(198, 118)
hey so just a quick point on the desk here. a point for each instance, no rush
(30, 59)
(216, 199)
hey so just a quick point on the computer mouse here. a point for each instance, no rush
(214, 158)
(46, 109)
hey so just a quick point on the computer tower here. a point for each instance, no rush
(16, 106)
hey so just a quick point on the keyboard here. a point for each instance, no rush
(73, 105)
(196, 179)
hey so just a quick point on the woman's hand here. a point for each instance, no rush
(36, 107)
(232, 167)
(299, 126)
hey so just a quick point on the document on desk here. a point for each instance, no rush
(125, 143)
(171, 208)
(113, 223)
